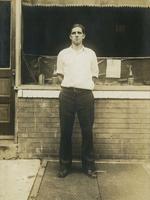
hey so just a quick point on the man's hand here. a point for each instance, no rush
(94, 79)
(60, 77)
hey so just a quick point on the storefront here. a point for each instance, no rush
(119, 32)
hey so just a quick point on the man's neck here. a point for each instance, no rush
(77, 47)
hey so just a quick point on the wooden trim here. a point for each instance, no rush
(98, 3)
(5, 73)
(12, 35)
(7, 137)
(97, 87)
(97, 94)
(38, 94)
(18, 19)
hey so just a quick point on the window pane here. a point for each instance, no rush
(111, 32)
(124, 72)
(117, 33)
(38, 69)
(4, 34)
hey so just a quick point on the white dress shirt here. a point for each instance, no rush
(78, 67)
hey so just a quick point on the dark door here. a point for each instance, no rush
(6, 76)
(6, 102)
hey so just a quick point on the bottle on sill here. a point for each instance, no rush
(41, 79)
(130, 78)
(54, 78)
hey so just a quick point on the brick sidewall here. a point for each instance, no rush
(121, 129)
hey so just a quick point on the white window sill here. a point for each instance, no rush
(101, 92)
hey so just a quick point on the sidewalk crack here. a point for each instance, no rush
(99, 190)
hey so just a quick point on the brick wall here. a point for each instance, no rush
(121, 129)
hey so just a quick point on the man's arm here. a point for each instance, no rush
(94, 78)
(94, 68)
(60, 77)
(59, 70)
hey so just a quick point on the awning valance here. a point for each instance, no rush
(96, 3)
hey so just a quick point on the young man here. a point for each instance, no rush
(77, 71)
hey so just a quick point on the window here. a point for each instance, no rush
(118, 35)
(4, 34)
(124, 71)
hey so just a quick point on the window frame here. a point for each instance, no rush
(21, 87)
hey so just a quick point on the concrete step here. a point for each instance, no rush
(8, 149)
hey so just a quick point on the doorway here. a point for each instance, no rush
(7, 97)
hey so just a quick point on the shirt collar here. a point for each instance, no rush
(82, 49)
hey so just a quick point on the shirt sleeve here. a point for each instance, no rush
(94, 66)
(60, 69)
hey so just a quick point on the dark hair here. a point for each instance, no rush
(79, 25)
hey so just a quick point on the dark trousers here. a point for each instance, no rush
(78, 101)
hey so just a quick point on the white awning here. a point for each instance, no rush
(89, 3)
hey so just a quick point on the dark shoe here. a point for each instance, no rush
(90, 170)
(63, 171)
(91, 173)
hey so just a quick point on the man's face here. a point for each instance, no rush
(77, 36)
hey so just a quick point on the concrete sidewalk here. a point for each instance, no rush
(32, 180)
(115, 181)
(17, 178)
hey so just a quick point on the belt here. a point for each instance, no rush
(73, 89)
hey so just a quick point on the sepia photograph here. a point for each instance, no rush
(74, 100)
